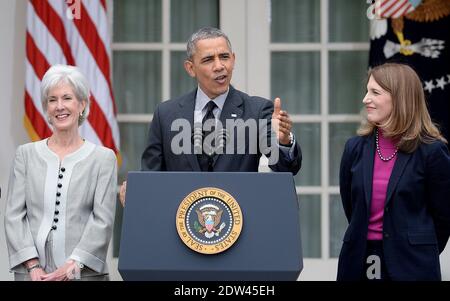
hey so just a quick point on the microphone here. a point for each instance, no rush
(222, 137)
(197, 139)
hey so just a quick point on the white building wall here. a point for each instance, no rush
(12, 83)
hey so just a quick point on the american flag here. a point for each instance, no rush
(394, 8)
(72, 32)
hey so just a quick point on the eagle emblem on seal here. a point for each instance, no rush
(209, 217)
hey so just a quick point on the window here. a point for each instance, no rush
(318, 61)
(148, 53)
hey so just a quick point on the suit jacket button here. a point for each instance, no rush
(54, 227)
(63, 169)
(56, 212)
(59, 185)
(58, 194)
(55, 219)
(57, 202)
(60, 176)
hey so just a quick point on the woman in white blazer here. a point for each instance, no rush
(62, 191)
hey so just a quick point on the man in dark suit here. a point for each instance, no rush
(218, 110)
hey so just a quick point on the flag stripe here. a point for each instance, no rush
(104, 5)
(44, 41)
(410, 9)
(401, 11)
(394, 4)
(30, 129)
(100, 20)
(101, 126)
(387, 6)
(54, 26)
(88, 32)
(39, 124)
(387, 2)
(392, 8)
(33, 87)
(35, 57)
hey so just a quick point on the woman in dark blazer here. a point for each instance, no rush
(395, 184)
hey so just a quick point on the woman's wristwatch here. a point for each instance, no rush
(34, 266)
(79, 265)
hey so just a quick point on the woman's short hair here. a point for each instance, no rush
(409, 121)
(64, 74)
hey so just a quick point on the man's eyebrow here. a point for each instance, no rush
(206, 56)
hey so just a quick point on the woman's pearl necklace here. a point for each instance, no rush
(379, 151)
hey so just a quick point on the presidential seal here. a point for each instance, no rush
(209, 220)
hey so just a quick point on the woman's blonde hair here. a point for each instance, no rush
(409, 121)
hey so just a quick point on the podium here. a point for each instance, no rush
(267, 249)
